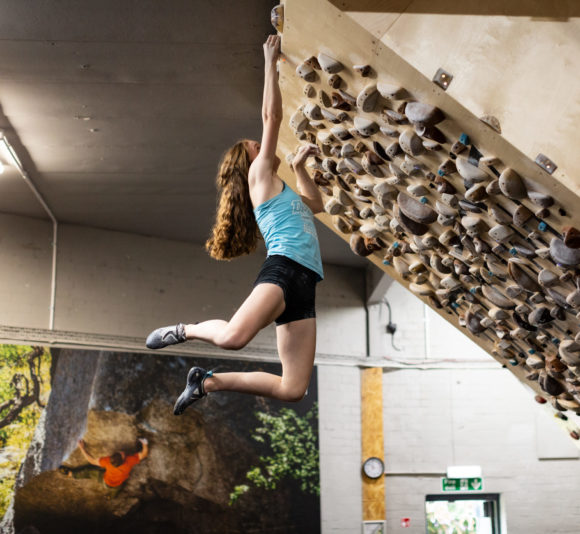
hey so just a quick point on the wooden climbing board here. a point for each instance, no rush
(436, 197)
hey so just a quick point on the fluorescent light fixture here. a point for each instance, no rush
(464, 471)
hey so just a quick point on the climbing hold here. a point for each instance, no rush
(492, 122)
(410, 143)
(367, 99)
(363, 70)
(365, 126)
(423, 115)
(571, 237)
(277, 17)
(470, 172)
(415, 210)
(306, 72)
(511, 185)
(329, 64)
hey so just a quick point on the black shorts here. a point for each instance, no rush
(298, 284)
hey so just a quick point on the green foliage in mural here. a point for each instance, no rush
(292, 440)
(24, 390)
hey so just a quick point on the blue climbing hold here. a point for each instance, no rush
(532, 351)
(464, 138)
(440, 172)
(542, 226)
(423, 200)
(386, 262)
(513, 251)
(396, 244)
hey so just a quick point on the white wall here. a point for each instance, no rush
(119, 284)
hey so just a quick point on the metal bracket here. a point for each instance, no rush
(443, 78)
(546, 163)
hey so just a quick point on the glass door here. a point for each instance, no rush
(463, 514)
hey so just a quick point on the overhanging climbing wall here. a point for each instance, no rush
(436, 197)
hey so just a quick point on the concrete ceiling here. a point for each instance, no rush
(120, 111)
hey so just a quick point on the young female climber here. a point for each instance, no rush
(253, 196)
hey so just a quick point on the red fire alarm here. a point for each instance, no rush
(406, 522)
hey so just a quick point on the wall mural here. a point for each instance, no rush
(108, 453)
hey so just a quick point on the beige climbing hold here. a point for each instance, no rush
(401, 266)
(423, 114)
(444, 209)
(334, 81)
(366, 212)
(408, 224)
(329, 165)
(476, 193)
(367, 99)
(573, 298)
(347, 150)
(496, 297)
(370, 163)
(493, 188)
(562, 254)
(342, 225)
(500, 216)
(333, 206)
(340, 132)
(329, 116)
(450, 200)
(363, 70)
(417, 190)
(298, 120)
(411, 143)
(312, 111)
(540, 199)
(309, 91)
(393, 117)
(306, 72)
(365, 126)
(323, 99)
(569, 351)
(489, 161)
(470, 172)
(547, 278)
(423, 290)
(353, 165)
(500, 233)
(389, 131)
(534, 361)
(388, 90)
(382, 222)
(511, 185)
(342, 197)
(473, 224)
(326, 138)
(521, 215)
(358, 245)
(431, 145)
(522, 277)
(277, 17)
(365, 183)
(447, 167)
(497, 314)
(329, 64)
(492, 122)
(369, 230)
(447, 237)
(415, 210)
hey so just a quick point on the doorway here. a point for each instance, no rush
(463, 514)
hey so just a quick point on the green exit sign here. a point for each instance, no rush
(462, 484)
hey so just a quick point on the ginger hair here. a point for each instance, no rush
(235, 231)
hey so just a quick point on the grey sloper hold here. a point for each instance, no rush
(497, 298)
(366, 126)
(569, 351)
(384, 192)
(415, 210)
(473, 321)
(511, 185)
(411, 143)
(329, 116)
(367, 99)
(389, 90)
(423, 114)
(371, 168)
(563, 255)
(354, 165)
(547, 278)
(298, 120)
(409, 225)
(329, 64)
(522, 278)
(500, 233)
(306, 72)
(540, 316)
(540, 199)
(369, 230)
(557, 297)
(470, 172)
(445, 210)
(340, 132)
(312, 111)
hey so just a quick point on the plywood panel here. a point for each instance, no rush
(372, 441)
(320, 27)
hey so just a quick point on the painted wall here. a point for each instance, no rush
(113, 283)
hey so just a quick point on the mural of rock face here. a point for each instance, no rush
(195, 460)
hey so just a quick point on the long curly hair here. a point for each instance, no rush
(235, 231)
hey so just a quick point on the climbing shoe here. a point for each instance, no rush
(168, 335)
(193, 389)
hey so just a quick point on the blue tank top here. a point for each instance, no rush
(287, 226)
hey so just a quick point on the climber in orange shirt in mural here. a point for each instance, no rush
(112, 470)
